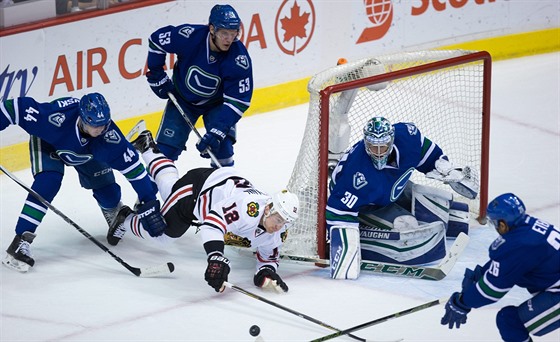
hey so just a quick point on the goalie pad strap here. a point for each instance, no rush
(345, 256)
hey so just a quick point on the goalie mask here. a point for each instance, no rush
(506, 207)
(286, 204)
(379, 136)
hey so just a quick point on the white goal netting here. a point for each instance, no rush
(446, 100)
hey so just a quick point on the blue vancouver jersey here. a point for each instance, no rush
(527, 256)
(356, 183)
(203, 77)
(56, 123)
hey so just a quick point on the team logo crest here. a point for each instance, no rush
(186, 31)
(242, 61)
(400, 184)
(112, 137)
(259, 231)
(497, 243)
(253, 209)
(71, 158)
(412, 130)
(359, 180)
(57, 119)
(284, 236)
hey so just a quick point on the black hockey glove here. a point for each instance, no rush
(267, 277)
(217, 271)
(455, 312)
(160, 83)
(150, 217)
(211, 140)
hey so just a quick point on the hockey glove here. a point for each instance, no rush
(160, 83)
(217, 271)
(471, 277)
(267, 278)
(463, 180)
(211, 140)
(150, 217)
(455, 312)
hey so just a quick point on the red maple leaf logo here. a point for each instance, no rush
(295, 25)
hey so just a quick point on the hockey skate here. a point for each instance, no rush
(18, 255)
(110, 215)
(144, 142)
(117, 229)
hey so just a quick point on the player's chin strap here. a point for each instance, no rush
(463, 180)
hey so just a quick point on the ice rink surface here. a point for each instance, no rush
(76, 292)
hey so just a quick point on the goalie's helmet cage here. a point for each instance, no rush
(286, 204)
(446, 94)
(506, 207)
(94, 110)
(224, 17)
(379, 136)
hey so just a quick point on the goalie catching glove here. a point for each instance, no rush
(217, 271)
(462, 180)
(267, 278)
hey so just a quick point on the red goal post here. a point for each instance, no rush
(446, 93)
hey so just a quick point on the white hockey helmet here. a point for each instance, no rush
(286, 204)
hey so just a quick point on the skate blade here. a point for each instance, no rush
(15, 264)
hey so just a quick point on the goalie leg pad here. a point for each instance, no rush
(458, 219)
(345, 257)
(430, 204)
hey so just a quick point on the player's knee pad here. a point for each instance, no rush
(458, 219)
(345, 255)
(430, 204)
(47, 184)
(108, 196)
(510, 325)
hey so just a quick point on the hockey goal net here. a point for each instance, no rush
(445, 93)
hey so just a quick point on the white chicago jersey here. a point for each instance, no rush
(228, 203)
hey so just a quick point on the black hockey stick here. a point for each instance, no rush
(180, 109)
(299, 314)
(153, 271)
(382, 319)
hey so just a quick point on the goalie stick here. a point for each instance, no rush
(437, 272)
(383, 319)
(299, 314)
(153, 271)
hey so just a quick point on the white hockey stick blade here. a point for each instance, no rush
(454, 252)
(137, 129)
(157, 271)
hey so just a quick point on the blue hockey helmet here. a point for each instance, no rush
(94, 110)
(379, 136)
(506, 207)
(224, 17)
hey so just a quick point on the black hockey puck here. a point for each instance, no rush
(254, 330)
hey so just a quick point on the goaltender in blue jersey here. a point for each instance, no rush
(526, 254)
(78, 133)
(212, 78)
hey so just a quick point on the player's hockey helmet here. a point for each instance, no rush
(379, 136)
(224, 17)
(94, 110)
(506, 207)
(286, 204)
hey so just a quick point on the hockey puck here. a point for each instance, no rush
(254, 330)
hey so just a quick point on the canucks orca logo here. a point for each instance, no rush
(359, 180)
(57, 119)
(400, 184)
(242, 61)
(253, 209)
(202, 83)
(71, 158)
(412, 130)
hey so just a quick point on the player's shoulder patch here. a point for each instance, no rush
(253, 209)
(497, 243)
(411, 128)
(112, 137)
(359, 180)
(57, 119)
(242, 61)
(186, 31)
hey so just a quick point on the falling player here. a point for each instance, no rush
(77, 133)
(212, 78)
(526, 254)
(219, 201)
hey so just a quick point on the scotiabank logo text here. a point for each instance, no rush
(441, 5)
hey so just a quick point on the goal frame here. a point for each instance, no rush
(325, 94)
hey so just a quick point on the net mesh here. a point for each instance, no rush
(445, 104)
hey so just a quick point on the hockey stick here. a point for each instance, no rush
(180, 109)
(437, 272)
(299, 314)
(382, 319)
(153, 271)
